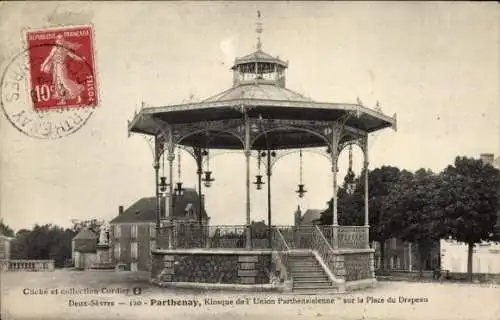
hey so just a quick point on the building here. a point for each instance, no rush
(310, 217)
(83, 246)
(403, 256)
(133, 231)
(4, 247)
(485, 257)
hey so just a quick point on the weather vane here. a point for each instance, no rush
(259, 30)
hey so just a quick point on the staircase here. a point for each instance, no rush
(308, 275)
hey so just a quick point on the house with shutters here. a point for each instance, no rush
(133, 230)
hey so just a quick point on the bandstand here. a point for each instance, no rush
(260, 117)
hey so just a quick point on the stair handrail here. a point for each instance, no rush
(283, 250)
(283, 241)
(324, 253)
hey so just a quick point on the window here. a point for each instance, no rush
(133, 231)
(117, 231)
(117, 251)
(133, 250)
(152, 231)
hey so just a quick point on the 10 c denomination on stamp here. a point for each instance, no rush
(50, 90)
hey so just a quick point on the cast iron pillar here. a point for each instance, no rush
(334, 149)
(247, 182)
(367, 221)
(268, 172)
(171, 228)
(156, 166)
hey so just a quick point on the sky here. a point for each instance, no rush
(434, 64)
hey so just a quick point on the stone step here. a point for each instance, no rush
(315, 291)
(311, 257)
(312, 285)
(312, 274)
(306, 277)
(315, 280)
(305, 269)
(303, 264)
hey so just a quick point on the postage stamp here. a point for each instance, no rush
(50, 89)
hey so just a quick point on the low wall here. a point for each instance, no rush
(211, 266)
(354, 265)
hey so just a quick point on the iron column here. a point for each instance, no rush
(269, 197)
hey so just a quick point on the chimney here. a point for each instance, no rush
(487, 158)
(120, 210)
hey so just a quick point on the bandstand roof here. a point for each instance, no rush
(258, 94)
(261, 102)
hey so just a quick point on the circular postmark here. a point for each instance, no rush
(48, 91)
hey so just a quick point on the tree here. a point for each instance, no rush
(471, 191)
(5, 229)
(43, 242)
(351, 206)
(417, 204)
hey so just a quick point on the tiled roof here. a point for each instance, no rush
(258, 91)
(86, 246)
(310, 216)
(144, 210)
(84, 234)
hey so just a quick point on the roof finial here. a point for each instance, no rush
(259, 30)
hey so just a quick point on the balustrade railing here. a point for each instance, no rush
(27, 265)
(187, 236)
(346, 237)
(352, 237)
(235, 237)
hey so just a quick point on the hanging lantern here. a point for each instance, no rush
(179, 190)
(301, 190)
(301, 187)
(163, 184)
(258, 182)
(350, 181)
(258, 178)
(208, 179)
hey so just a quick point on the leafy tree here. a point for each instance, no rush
(351, 206)
(417, 203)
(43, 242)
(5, 229)
(471, 191)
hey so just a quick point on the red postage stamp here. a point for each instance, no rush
(61, 68)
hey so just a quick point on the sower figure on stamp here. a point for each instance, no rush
(64, 87)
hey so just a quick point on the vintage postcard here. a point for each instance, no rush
(249, 160)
